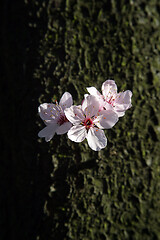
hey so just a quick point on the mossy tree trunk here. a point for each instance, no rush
(111, 194)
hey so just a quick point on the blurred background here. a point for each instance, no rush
(63, 190)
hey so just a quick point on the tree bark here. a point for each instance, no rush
(61, 189)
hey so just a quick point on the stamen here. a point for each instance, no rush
(62, 119)
(88, 122)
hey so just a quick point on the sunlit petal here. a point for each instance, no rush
(74, 114)
(93, 91)
(109, 88)
(77, 133)
(107, 119)
(66, 100)
(96, 139)
(90, 106)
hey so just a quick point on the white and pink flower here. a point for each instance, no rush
(54, 117)
(110, 99)
(88, 122)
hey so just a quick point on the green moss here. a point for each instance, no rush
(113, 194)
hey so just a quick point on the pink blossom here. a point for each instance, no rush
(110, 99)
(54, 117)
(88, 122)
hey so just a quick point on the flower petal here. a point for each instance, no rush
(49, 122)
(90, 106)
(107, 119)
(96, 139)
(64, 128)
(85, 95)
(108, 106)
(74, 114)
(48, 111)
(123, 101)
(109, 88)
(48, 132)
(77, 133)
(93, 91)
(120, 114)
(66, 100)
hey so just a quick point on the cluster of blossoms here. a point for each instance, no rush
(97, 112)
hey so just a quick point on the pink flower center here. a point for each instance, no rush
(88, 123)
(111, 100)
(62, 119)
